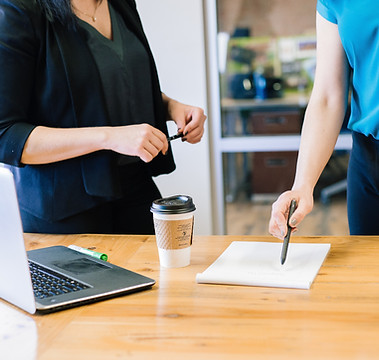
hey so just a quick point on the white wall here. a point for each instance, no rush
(175, 31)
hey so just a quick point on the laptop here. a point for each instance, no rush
(76, 278)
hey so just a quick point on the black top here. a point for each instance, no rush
(124, 70)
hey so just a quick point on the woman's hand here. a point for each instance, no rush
(143, 140)
(280, 210)
(189, 119)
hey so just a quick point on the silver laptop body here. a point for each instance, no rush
(99, 279)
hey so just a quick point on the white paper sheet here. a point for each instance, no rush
(18, 334)
(258, 264)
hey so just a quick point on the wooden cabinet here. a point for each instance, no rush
(272, 172)
(275, 122)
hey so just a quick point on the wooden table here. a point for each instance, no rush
(338, 318)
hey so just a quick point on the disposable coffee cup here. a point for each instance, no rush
(173, 222)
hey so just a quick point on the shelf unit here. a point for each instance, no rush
(233, 144)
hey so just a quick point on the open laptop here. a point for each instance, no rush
(85, 278)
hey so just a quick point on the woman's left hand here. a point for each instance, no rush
(189, 120)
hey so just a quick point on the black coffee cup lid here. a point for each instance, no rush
(177, 204)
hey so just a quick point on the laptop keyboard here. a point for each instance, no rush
(47, 283)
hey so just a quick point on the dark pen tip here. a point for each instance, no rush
(173, 137)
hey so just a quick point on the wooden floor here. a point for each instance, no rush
(251, 218)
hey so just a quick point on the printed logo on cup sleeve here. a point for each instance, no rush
(174, 234)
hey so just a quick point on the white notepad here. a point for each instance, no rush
(258, 264)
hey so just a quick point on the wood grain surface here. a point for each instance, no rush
(338, 318)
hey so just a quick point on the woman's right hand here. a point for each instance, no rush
(142, 140)
(280, 210)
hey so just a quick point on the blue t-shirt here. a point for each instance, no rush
(358, 26)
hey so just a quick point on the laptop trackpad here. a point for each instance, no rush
(80, 266)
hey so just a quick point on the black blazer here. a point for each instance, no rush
(49, 78)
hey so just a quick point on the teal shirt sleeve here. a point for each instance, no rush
(324, 10)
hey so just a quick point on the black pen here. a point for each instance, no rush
(176, 136)
(289, 230)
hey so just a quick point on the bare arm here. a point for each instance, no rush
(322, 123)
(47, 145)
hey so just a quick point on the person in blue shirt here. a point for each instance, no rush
(347, 54)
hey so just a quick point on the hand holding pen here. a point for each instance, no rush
(189, 119)
(279, 211)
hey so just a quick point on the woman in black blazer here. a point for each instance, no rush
(82, 115)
